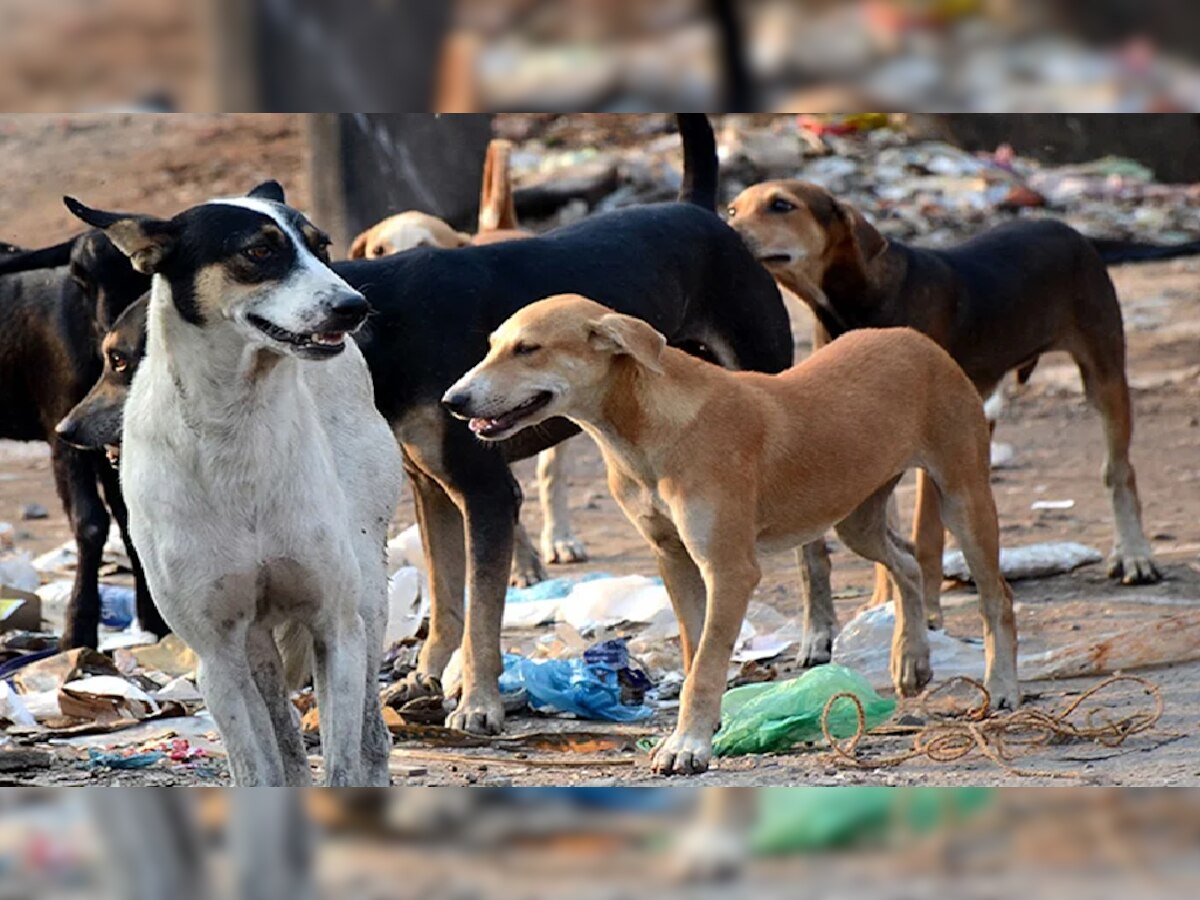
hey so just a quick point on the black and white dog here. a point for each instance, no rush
(260, 477)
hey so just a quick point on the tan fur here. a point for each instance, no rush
(403, 231)
(713, 466)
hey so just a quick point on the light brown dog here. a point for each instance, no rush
(712, 466)
(995, 302)
(497, 222)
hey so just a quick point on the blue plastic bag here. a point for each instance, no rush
(589, 687)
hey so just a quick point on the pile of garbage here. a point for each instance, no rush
(920, 191)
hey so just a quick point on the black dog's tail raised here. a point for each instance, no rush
(699, 160)
(1114, 252)
(29, 260)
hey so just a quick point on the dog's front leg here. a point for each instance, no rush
(148, 615)
(730, 578)
(243, 719)
(559, 543)
(339, 648)
(489, 526)
(818, 619)
(75, 472)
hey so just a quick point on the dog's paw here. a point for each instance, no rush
(1004, 692)
(709, 853)
(478, 715)
(1133, 567)
(911, 671)
(682, 754)
(564, 550)
(414, 686)
(816, 648)
(527, 572)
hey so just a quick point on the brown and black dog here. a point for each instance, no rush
(996, 303)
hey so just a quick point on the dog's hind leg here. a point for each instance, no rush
(685, 586)
(376, 741)
(339, 651)
(148, 615)
(867, 533)
(527, 568)
(76, 474)
(559, 543)
(1101, 360)
(267, 666)
(818, 618)
(884, 590)
(243, 718)
(970, 513)
(929, 539)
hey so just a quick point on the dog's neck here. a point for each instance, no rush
(636, 399)
(848, 296)
(218, 376)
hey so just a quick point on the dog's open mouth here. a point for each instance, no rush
(113, 452)
(497, 425)
(321, 341)
(780, 259)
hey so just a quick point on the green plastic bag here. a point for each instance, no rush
(798, 819)
(774, 716)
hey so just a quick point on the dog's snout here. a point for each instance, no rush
(67, 429)
(349, 308)
(456, 402)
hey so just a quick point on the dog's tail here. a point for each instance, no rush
(497, 211)
(1116, 252)
(29, 260)
(700, 166)
(295, 648)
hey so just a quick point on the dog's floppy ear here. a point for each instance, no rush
(147, 241)
(626, 335)
(358, 250)
(865, 243)
(268, 190)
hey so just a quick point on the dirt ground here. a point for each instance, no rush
(160, 165)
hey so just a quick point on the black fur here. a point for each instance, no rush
(51, 321)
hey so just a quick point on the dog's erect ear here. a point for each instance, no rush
(268, 190)
(866, 244)
(625, 335)
(147, 241)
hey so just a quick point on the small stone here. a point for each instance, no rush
(21, 759)
(34, 511)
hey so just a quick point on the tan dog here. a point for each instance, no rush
(995, 302)
(497, 222)
(712, 466)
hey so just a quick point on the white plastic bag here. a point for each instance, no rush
(18, 571)
(408, 605)
(1030, 561)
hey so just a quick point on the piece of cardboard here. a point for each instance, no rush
(19, 610)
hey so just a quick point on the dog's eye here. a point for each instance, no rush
(259, 252)
(117, 361)
(523, 349)
(780, 205)
(731, 212)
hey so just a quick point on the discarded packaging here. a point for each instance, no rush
(103, 698)
(865, 645)
(53, 672)
(1031, 561)
(12, 708)
(117, 605)
(771, 717)
(408, 606)
(589, 687)
(170, 656)
(19, 572)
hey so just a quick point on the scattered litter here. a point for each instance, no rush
(51, 673)
(1003, 456)
(1052, 504)
(408, 605)
(587, 603)
(773, 717)
(125, 759)
(1030, 561)
(20, 572)
(171, 656)
(31, 511)
(62, 558)
(22, 759)
(998, 737)
(599, 685)
(12, 708)
(103, 698)
(865, 645)
(117, 605)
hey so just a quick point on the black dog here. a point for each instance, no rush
(55, 304)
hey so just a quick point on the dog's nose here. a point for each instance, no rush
(66, 429)
(350, 306)
(457, 402)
